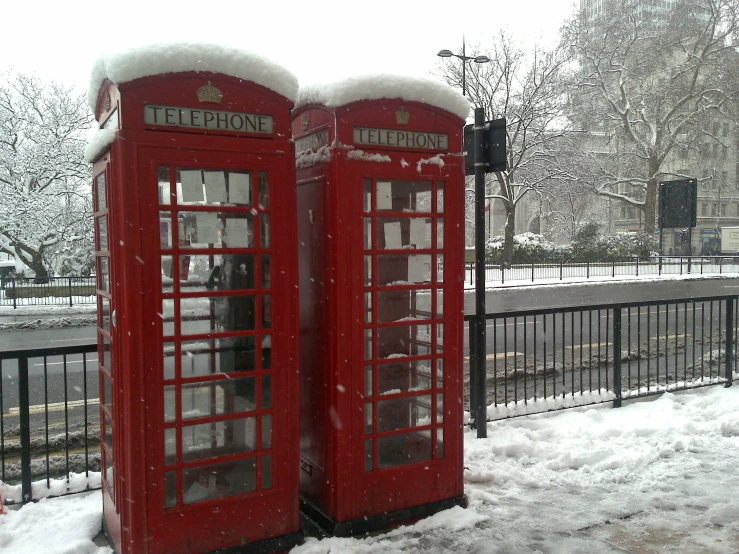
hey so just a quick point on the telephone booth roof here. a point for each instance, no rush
(183, 57)
(383, 86)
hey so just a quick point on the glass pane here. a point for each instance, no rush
(369, 462)
(104, 314)
(266, 472)
(107, 393)
(104, 274)
(403, 305)
(408, 448)
(190, 186)
(215, 481)
(368, 418)
(403, 233)
(267, 352)
(439, 303)
(266, 432)
(440, 197)
(367, 196)
(168, 360)
(167, 280)
(402, 377)
(109, 474)
(239, 188)
(404, 196)
(368, 344)
(266, 273)
(218, 439)
(165, 230)
(439, 233)
(403, 269)
(401, 413)
(170, 489)
(368, 381)
(401, 341)
(264, 231)
(164, 185)
(440, 268)
(368, 307)
(167, 315)
(102, 200)
(108, 436)
(170, 407)
(440, 373)
(266, 392)
(102, 222)
(106, 356)
(213, 356)
(440, 337)
(439, 408)
(267, 311)
(203, 273)
(440, 443)
(368, 271)
(170, 446)
(223, 397)
(215, 230)
(263, 189)
(367, 226)
(217, 314)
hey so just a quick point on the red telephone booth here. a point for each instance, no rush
(381, 227)
(194, 190)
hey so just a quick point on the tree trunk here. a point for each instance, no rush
(510, 226)
(650, 202)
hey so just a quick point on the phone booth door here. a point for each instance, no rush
(217, 397)
(409, 397)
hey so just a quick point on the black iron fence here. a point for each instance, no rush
(616, 267)
(49, 421)
(543, 360)
(49, 291)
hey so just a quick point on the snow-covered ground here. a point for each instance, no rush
(653, 476)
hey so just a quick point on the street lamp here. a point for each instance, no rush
(465, 59)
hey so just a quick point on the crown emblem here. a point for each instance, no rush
(306, 121)
(402, 116)
(209, 93)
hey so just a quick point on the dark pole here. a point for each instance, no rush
(480, 359)
(661, 229)
(464, 70)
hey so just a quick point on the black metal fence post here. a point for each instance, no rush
(560, 269)
(15, 296)
(70, 292)
(617, 356)
(729, 346)
(472, 340)
(25, 428)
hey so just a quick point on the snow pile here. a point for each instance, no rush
(158, 59)
(99, 143)
(378, 86)
(308, 158)
(364, 156)
(436, 160)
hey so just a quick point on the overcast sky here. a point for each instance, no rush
(318, 41)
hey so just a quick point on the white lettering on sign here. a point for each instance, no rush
(314, 141)
(198, 118)
(400, 139)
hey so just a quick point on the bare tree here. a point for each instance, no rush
(653, 79)
(527, 88)
(44, 179)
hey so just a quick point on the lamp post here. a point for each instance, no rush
(465, 59)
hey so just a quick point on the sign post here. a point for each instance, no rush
(678, 209)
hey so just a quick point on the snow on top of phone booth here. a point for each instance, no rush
(378, 86)
(159, 59)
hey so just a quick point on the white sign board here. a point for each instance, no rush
(400, 139)
(190, 118)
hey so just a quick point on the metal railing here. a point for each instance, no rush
(665, 265)
(49, 417)
(557, 358)
(49, 291)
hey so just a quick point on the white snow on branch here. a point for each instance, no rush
(362, 155)
(99, 143)
(378, 86)
(159, 59)
(436, 160)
